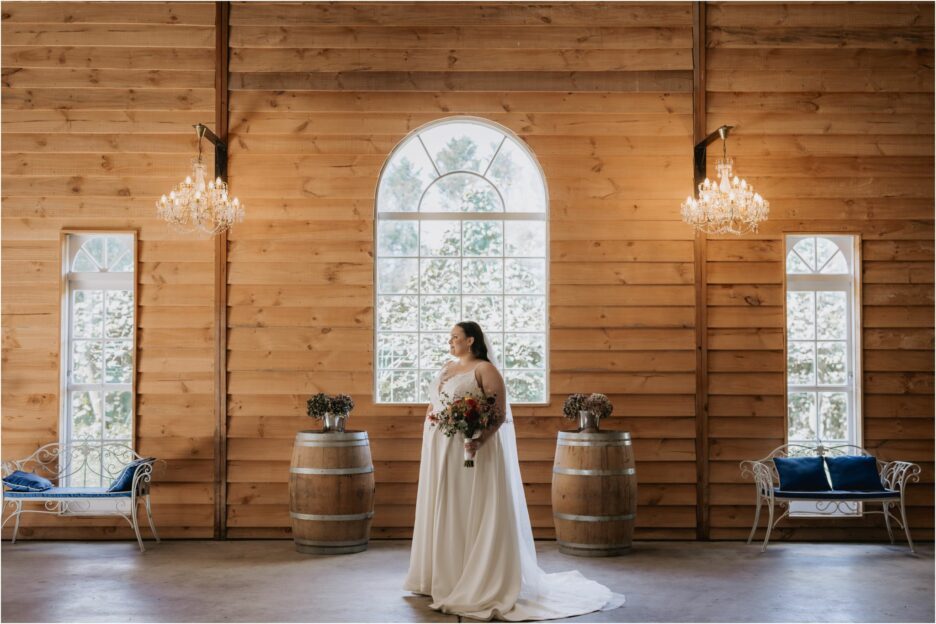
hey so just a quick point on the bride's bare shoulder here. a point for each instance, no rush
(487, 368)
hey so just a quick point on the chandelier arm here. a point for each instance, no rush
(699, 156)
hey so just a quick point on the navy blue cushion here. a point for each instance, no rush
(68, 492)
(20, 481)
(836, 495)
(854, 472)
(124, 480)
(801, 474)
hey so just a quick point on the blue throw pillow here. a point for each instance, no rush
(801, 474)
(20, 481)
(855, 472)
(124, 480)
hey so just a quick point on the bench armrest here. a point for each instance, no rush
(762, 474)
(896, 475)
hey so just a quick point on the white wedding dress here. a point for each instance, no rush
(473, 548)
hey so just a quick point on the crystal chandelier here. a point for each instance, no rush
(729, 206)
(199, 204)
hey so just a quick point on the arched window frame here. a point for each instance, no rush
(73, 242)
(816, 281)
(420, 215)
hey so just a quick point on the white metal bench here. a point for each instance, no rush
(895, 476)
(71, 468)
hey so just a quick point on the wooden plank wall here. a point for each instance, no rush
(833, 105)
(320, 95)
(98, 103)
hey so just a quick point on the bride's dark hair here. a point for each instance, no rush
(478, 347)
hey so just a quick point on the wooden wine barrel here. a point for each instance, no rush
(331, 492)
(594, 493)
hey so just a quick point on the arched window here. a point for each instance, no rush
(98, 344)
(822, 339)
(461, 234)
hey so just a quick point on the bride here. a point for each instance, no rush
(473, 550)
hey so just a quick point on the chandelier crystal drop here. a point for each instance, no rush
(729, 206)
(199, 204)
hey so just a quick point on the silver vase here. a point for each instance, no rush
(587, 421)
(334, 422)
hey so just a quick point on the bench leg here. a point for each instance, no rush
(887, 522)
(756, 519)
(136, 525)
(906, 527)
(19, 512)
(149, 516)
(770, 522)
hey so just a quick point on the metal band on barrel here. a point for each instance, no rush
(332, 471)
(331, 517)
(565, 516)
(593, 473)
(598, 443)
(335, 444)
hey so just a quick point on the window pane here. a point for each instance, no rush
(440, 238)
(87, 361)
(831, 363)
(837, 265)
(397, 238)
(796, 265)
(802, 415)
(525, 351)
(398, 312)
(117, 410)
(519, 179)
(94, 247)
(525, 313)
(825, 250)
(526, 276)
(462, 192)
(87, 313)
(118, 362)
(438, 313)
(83, 263)
(526, 386)
(118, 253)
(833, 414)
(461, 146)
(486, 311)
(831, 315)
(801, 363)
(526, 238)
(806, 250)
(385, 386)
(440, 276)
(86, 415)
(396, 351)
(433, 350)
(406, 176)
(483, 238)
(119, 313)
(801, 315)
(483, 276)
(398, 276)
(404, 386)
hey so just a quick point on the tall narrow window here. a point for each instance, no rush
(98, 345)
(461, 235)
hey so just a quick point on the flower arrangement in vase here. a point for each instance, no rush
(333, 411)
(588, 410)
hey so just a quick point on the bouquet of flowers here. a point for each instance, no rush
(469, 415)
(599, 405)
(318, 405)
(341, 404)
(573, 405)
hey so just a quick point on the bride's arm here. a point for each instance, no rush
(492, 384)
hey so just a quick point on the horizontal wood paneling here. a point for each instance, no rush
(602, 94)
(833, 107)
(98, 103)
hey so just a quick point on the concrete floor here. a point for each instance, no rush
(268, 581)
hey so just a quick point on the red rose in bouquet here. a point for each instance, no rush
(469, 415)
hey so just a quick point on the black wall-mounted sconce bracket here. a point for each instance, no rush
(220, 150)
(698, 157)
